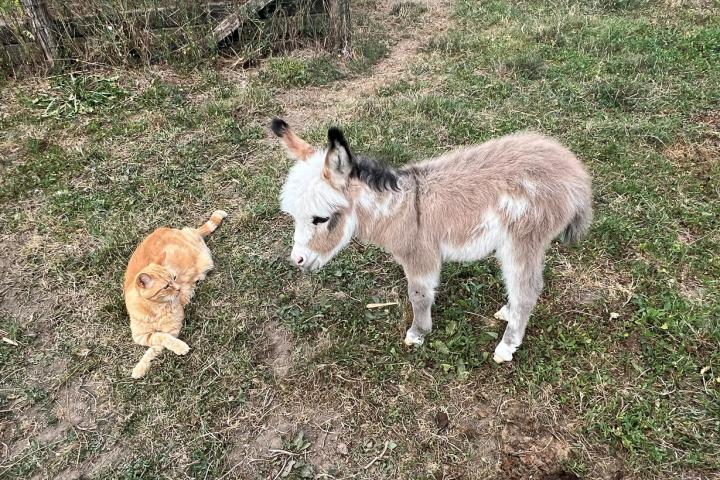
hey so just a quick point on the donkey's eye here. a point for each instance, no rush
(316, 220)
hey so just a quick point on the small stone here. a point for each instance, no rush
(442, 420)
(276, 443)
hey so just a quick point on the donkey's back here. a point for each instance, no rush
(531, 183)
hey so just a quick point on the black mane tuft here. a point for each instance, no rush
(378, 176)
(336, 137)
(375, 174)
(279, 126)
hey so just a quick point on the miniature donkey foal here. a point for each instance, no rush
(510, 196)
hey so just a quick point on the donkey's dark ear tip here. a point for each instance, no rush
(335, 135)
(279, 126)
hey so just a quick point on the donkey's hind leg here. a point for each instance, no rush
(522, 271)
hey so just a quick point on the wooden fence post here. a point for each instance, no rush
(339, 11)
(41, 25)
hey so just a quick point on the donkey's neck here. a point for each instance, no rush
(387, 218)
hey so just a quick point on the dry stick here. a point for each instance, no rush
(381, 305)
(378, 457)
(282, 452)
(285, 462)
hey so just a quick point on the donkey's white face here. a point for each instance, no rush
(315, 195)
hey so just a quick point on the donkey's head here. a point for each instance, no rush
(317, 196)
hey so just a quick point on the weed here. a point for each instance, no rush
(71, 95)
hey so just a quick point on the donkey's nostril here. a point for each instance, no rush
(300, 260)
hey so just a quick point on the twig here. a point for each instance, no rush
(381, 305)
(378, 457)
(285, 462)
(283, 452)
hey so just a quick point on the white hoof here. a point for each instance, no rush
(502, 314)
(412, 338)
(503, 352)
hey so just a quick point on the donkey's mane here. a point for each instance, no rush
(375, 174)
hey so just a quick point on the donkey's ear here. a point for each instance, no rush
(338, 160)
(296, 147)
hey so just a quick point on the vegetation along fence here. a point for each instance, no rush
(57, 33)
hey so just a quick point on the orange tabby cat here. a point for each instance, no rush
(160, 280)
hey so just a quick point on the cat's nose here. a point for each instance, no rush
(299, 260)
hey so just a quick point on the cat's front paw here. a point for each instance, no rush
(179, 347)
(139, 371)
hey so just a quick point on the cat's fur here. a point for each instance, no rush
(160, 280)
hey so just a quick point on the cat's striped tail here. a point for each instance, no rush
(215, 220)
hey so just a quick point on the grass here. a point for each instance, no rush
(619, 373)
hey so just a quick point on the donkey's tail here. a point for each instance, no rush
(215, 220)
(579, 225)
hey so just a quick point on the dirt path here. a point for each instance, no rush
(313, 105)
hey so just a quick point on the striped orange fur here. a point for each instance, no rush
(160, 280)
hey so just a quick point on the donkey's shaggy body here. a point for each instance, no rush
(510, 196)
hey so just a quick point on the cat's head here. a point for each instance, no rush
(158, 284)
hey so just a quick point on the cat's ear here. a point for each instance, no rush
(144, 280)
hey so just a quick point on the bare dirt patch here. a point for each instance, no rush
(586, 284)
(529, 445)
(279, 348)
(29, 308)
(296, 435)
(107, 459)
(78, 415)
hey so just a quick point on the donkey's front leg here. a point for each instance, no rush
(421, 290)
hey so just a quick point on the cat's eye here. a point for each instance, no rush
(317, 220)
(167, 286)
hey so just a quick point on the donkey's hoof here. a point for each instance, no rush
(413, 339)
(502, 314)
(503, 353)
